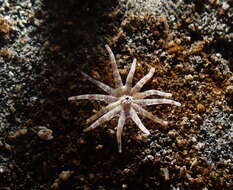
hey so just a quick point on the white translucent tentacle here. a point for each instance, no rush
(137, 121)
(143, 81)
(147, 102)
(120, 126)
(101, 85)
(149, 115)
(109, 115)
(100, 97)
(141, 95)
(116, 74)
(103, 111)
(129, 78)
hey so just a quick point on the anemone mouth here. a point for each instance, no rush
(127, 99)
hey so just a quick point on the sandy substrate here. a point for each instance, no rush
(43, 46)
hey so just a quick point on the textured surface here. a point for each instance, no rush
(43, 45)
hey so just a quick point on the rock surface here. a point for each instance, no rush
(43, 46)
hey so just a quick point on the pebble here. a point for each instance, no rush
(188, 77)
(65, 175)
(200, 108)
(18, 133)
(165, 173)
(45, 134)
(229, 90)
